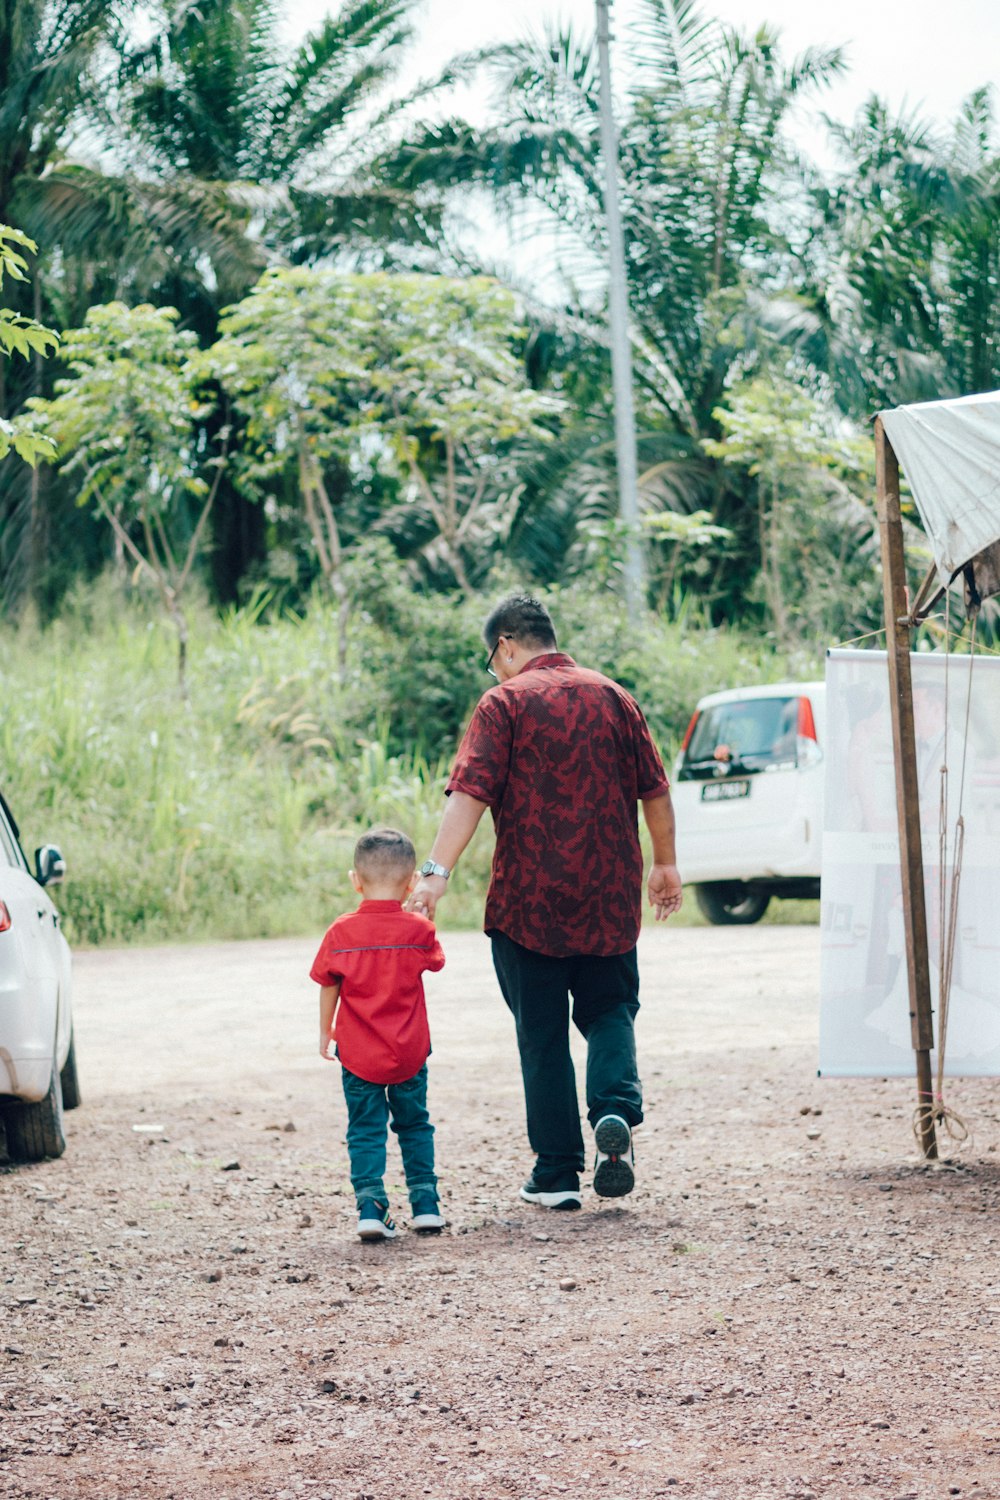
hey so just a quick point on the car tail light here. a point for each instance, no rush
(4, 917)
(807, 741)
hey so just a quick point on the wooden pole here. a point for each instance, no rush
(904, 743)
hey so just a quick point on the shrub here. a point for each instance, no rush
(236, 816)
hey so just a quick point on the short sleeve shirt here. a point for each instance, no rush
(562, 755)
(378, 954)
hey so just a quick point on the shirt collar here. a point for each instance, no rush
(380, 906)
(546, 660)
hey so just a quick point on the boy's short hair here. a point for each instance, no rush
(384, 851)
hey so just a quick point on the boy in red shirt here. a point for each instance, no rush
(372, 1006)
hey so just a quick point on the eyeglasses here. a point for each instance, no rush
(489, 659)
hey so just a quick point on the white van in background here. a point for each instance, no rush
(748, 793)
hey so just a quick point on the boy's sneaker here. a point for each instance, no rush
(614, 1169)
(563, 1193)
(375, 1221)
(426, 1215)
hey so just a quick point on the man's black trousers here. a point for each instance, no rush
(605, 998)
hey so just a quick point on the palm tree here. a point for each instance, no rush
(218, 105)
(864, 311)
(218, 97)
(107, 232)
(46, 52)
(897, 288)
(704, 170)
(971, 241)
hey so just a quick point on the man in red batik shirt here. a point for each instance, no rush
(561, 756)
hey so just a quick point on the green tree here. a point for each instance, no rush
(218, 97)
(969, 216)
(46, 51)
(448, 408)
(413, 376)
(896, 288)
(24, 336)
(707, 178)
(862, 308)
(110, 228)
(816, 538)
(123, 420)
(283, 358)
(270, 148)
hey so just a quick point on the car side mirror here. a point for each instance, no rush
(50, 867)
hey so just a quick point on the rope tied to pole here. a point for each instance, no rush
(932, 1109)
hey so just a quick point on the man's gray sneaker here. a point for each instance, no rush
(614, 1169)
(563, 1193)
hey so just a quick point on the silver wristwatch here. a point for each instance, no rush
(431, 867)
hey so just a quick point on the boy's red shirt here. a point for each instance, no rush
(378, 954)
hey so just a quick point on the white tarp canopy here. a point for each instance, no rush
(950, 453)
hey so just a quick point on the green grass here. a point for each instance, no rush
(235, 816)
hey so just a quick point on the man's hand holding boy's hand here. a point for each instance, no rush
(426, 894)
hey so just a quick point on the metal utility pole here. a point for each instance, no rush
(621, 353)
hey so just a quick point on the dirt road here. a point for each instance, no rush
(788, 1306)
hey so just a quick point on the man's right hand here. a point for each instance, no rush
(665, 891)
(426, 894)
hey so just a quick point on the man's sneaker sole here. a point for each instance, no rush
(428, 1223)
(614, 1174)
(565, 1199)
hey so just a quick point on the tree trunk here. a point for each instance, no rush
(180, 624)
(769, 561)
(449, 533)
(323, 527)
(37, 548)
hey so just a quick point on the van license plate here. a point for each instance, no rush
(724, 791)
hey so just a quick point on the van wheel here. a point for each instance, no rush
(730, 903)
(35, 1131)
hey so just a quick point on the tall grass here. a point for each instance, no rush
(236, 816)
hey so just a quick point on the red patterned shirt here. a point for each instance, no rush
(562, 755)
(378, 954)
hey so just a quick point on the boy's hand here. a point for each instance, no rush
(326, 1041)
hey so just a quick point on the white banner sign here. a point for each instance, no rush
(864, 1012)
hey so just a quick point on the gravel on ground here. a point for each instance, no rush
(789, 1305)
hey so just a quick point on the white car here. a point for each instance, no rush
(37, 1057)
(748, 792)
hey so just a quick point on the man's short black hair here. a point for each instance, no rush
(524, 619)
(384, 851)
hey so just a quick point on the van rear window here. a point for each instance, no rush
(746, 736)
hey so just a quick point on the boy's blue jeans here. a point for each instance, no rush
(371, 1107)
